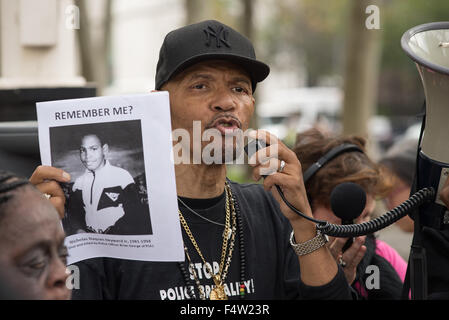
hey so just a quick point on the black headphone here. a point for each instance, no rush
(347, 199)
(334, 152)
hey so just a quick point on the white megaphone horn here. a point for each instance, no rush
(428, 46)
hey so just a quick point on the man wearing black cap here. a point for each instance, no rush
(240, 240)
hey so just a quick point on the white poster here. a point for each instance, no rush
(121, 201)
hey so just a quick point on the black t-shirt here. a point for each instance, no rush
(272, 267)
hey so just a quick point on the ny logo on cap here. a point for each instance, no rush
(220, 35)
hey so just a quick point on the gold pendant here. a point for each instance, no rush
(218, 293)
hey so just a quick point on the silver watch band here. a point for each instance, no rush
(309, 246)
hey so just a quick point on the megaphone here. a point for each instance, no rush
(428, 46)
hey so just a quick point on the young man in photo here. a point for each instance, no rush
(105, 198)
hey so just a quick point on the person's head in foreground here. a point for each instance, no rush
(32, 251)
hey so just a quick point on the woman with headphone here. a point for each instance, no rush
(372, 267)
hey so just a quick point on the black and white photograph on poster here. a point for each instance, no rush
(108, 193)
(121, 200)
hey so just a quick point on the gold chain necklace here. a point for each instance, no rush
(233, 232)
(218, 293)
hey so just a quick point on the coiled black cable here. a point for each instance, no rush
(355, 230)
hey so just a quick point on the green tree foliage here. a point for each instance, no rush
(312, 30)
(401, 91)
(315, 33)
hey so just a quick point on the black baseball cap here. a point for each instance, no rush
(207, 40)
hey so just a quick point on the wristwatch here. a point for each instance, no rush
(309, 246)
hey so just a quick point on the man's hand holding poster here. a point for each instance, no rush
(121, 200)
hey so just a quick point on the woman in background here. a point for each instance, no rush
(355, 167)
(400, 161)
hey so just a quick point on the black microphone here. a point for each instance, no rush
(348, 201)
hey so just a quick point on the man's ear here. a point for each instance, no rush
(105, 148)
